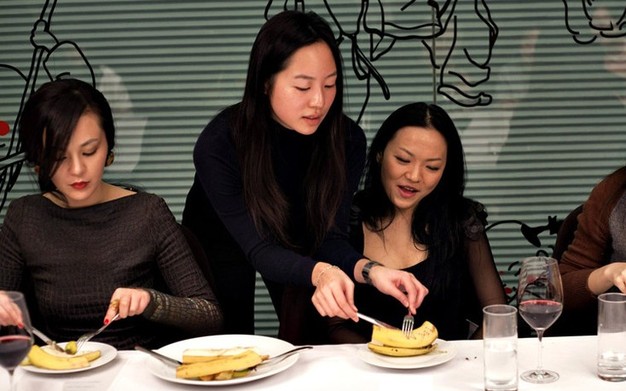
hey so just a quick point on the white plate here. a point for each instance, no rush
(443, 353)
(261, 344)
(108, 353)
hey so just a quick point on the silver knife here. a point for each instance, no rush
(375, 321)
(44, 338)
(159, 356)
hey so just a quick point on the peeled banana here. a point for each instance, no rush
(393, 342)
(43, 359)
(420, 337)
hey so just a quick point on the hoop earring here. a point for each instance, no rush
(110, 159)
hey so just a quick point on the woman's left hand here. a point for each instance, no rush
(127, 302)
(334, 292)
(399, 284)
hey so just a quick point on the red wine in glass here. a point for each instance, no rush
(540, 314)
(540, 303)
(13, 349)
(15, 341)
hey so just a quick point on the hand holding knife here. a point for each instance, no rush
(44, 338)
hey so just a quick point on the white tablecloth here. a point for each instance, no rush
(338, 367)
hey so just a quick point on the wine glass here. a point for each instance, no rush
(540, 303)
(15, 340)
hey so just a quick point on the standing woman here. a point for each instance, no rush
(88, 249)
(412, 216)
(275, 175)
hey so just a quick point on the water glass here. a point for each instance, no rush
(500, 347)
(612, 336)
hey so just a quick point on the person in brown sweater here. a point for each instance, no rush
(83, 243)
(595, 261)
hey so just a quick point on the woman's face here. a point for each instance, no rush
(301, 94)
(412, 165)
(78, 175)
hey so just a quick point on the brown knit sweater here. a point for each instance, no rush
(600, 239)
(75, 258)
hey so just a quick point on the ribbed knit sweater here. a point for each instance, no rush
(74, 259)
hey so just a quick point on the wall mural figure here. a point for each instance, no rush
(460, 70)
(52, 59)
(590, 19)
(596, 21)
(46, 47)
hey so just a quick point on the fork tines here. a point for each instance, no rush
(407, 325)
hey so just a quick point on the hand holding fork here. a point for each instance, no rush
(407, 324)
(87, 336)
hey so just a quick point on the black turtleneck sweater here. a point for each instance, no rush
(217, 170)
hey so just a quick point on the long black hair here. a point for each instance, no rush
(48, 121)
(279, 38)
(438, 219)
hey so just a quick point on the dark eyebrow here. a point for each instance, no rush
(89, 142)
(306, 77)
(438, 159)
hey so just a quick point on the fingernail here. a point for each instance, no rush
(20, 325)
(106, 321)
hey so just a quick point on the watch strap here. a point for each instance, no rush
(366, 271)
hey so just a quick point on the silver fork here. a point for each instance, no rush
(407, 324)
(87, 336)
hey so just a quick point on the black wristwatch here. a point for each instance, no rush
(366, 271)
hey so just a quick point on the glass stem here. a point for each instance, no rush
(540, 352)
(12, 385)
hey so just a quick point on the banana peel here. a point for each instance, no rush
(400, 352)
(204, 370)
(393, 342)
(43, 359)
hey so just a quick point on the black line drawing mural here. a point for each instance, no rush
(459, 73)
(587, 20)
(368, 33)
(600, 22)
(45, 46)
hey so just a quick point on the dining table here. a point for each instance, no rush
(342, 367)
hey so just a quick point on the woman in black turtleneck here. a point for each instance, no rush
(275, 175)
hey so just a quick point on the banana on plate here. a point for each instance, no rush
(51, 359)
(393, 342)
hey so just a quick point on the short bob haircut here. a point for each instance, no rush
(49, 118)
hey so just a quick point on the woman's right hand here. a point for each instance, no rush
(602, 279)
(10, 313)
(334, 293)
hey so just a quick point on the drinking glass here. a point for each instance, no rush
(540, 303)
(15, 341)
(500, 347)
(612, 336)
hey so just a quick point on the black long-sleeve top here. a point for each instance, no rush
(218, 171)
